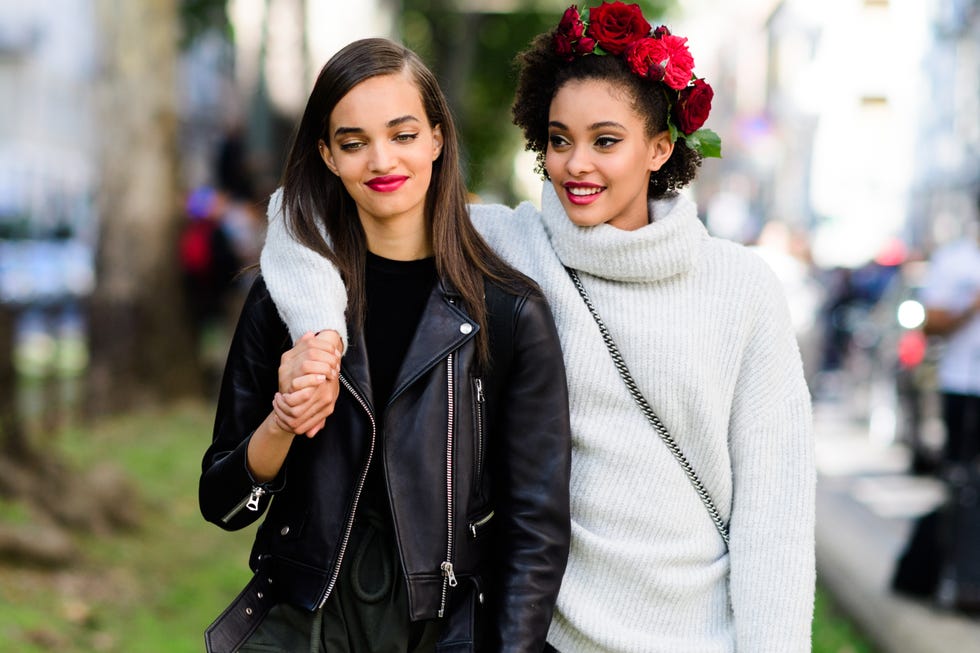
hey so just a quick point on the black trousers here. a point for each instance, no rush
(368, 610)
(961, 413)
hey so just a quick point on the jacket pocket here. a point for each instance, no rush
(478, 525)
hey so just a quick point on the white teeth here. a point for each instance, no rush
(582, 192)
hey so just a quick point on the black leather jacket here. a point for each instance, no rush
(476, 466)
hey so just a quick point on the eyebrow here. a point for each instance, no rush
(394, 122)
(594, 126)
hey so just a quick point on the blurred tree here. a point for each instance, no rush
(472, 52)
(200, 16)
(140, 340)
(12, 441)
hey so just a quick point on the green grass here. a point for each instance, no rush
(155, 590)
(832, 632)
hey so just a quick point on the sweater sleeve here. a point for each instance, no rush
(306, 288)
(774, 479)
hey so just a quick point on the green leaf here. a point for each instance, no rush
(707, 142)
(674, 133)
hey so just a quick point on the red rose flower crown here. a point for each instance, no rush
(619, 29)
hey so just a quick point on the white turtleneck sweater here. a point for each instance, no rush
(703, 326)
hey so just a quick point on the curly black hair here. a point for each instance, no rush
(541, 72)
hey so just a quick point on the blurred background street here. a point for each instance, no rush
(139, 143)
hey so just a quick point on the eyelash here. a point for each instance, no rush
(351, 146)
(602, 142)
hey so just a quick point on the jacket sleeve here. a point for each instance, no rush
(248, 386)
(533, 464)
(306, 288)
(774, 479)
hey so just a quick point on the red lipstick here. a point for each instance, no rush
(586, 192)
(387, 183)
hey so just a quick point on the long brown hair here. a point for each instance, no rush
(313, 196)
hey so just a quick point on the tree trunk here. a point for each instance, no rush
(141, 343)
(13, 439)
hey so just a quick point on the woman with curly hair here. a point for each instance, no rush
(692, 486)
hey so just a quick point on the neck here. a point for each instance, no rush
(398, 240)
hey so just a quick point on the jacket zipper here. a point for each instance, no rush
(251, 502)
(449, 576)
(480, 401)
(475, 526)
(357, 494)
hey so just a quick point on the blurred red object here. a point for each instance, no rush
(911, 348)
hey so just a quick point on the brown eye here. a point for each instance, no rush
(604, 142)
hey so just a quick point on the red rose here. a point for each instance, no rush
(616, 25)
(665, 59)
(585, 45)
(571, 23)
(569, 39)
(644, 55)
(678, 62)
(693, 106)
(661, 32)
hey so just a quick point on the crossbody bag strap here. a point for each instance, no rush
(651, 416)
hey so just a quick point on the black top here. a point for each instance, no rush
(396, 294)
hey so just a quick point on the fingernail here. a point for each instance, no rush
(321, 377)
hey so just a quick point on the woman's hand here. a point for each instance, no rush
(312, 360)
(309, 383)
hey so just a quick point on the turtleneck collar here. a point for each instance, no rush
(669, 245)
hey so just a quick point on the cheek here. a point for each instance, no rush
(627, 171)
(552, 162)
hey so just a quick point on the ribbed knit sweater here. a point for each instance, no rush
(704, 327)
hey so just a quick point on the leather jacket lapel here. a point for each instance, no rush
(443, 328)
(354, 366)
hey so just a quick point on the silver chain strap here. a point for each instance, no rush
(651, 416)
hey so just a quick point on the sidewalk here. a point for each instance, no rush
(866, 504)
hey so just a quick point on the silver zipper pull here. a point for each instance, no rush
(253, 499)
(479, 390)
(447, 571)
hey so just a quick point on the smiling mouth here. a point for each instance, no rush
(386, 184)
(583, 194)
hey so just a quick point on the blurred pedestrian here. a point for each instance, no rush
(951, 296)
(207, 259)
(428, 508)
(712, 554)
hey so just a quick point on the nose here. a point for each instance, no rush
(579, 161)
(381, 159)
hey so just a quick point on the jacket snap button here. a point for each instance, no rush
(261, 595)
(284, 531)
(465, 328)
(248, 611)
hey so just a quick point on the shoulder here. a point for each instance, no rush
(501, 220)
(516, 307)
(737, 264)
(259, 314)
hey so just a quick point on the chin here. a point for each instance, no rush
(582, 216)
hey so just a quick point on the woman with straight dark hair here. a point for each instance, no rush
(428, 507)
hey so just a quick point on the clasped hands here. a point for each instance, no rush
(309, 383)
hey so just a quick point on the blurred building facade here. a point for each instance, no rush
(856, 120)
